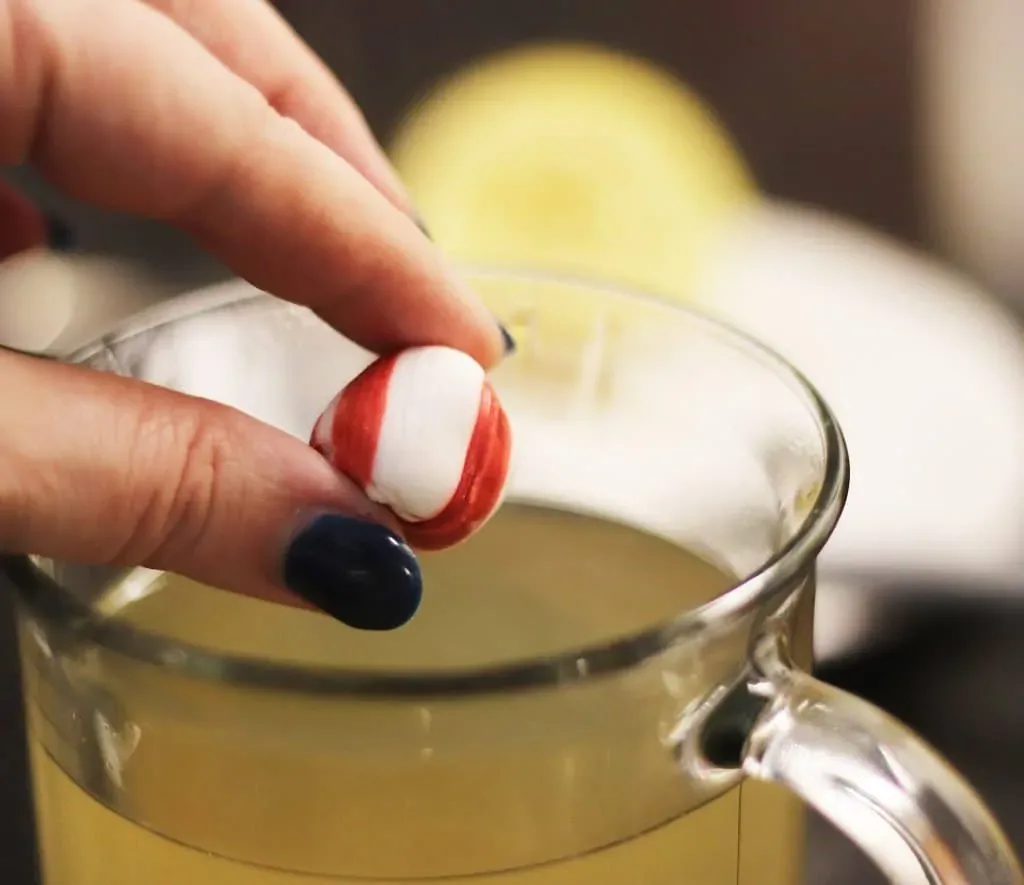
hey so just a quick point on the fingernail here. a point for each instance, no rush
(510, 342)
(359, 572)
(59, 235)
(506, 336)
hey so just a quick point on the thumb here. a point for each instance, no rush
(100, 469)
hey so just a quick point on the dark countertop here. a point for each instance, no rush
(16, 832)
(953, 678)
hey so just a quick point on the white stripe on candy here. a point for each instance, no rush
(322, 431)
(423, 433)
(431, 409)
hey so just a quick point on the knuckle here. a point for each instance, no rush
(15, 513)
(184, 456)
(229, 172)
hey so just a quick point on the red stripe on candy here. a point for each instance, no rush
(358, 419)
(479, 490)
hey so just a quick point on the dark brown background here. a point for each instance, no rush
(820, 96)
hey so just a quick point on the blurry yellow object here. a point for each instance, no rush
(576, 160)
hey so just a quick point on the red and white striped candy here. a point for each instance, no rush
(423, 433)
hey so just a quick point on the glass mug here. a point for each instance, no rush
(605, 685)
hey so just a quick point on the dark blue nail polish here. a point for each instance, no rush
(359, 572)
(423, 228)
(59, 235)
(510, 342)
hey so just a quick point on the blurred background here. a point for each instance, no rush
(842, 180)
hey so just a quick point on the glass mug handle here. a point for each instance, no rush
(870, 776)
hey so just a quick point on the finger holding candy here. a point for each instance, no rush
(423, 433)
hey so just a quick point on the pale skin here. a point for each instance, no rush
(211, 115)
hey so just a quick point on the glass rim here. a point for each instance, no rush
(46, 597)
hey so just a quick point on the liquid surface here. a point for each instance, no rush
(143, 776)
(534, 582)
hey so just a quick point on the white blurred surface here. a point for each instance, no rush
(57, 301)
(926, 375)
(972, 109)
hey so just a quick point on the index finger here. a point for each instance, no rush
(121, 107)
(253, 39)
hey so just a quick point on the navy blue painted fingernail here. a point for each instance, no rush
(423, 228)
(510, 342)
(59, 235)
(359, 572)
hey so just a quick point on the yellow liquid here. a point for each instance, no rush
(202, 783)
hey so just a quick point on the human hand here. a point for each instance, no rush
(213, 116)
